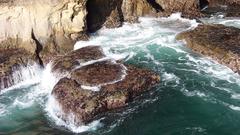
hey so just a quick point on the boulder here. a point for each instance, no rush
(117, 84)
(216, 41)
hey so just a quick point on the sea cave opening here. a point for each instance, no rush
(203, 4)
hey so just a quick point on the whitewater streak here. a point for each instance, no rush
(150, 42)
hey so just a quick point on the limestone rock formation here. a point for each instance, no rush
(188, 8)
(49, 28)
(42, 26)
(132, 9)
(216, 41)
(98, 87)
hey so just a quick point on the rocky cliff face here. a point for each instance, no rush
(47, 28)
(104, 13)
(42, 26)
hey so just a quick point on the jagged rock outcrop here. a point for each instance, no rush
(216, 41)
(98, 86)
(42, 26)
(229, 8)
(132, 9)
(102, 13)
(188, 8)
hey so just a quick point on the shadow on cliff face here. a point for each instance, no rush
(155, 5)
(203, 4)
(38, 49)
(100, 11)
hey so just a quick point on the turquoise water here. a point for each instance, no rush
(196, 96)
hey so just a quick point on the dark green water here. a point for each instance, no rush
(196, 96)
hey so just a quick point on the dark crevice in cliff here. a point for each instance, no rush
(203, 4)
(155, 5)
(99, 11)
(38, 48)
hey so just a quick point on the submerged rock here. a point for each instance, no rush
(99, 86)
(12, 60)
(216, 41)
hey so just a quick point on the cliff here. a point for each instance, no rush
(48, 28)
(42, 26)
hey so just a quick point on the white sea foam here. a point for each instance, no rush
(214, 69)
(22, 104)
(198, 129)
(93, 88)
(170, 77)
(193, 93)
(24, 77)
(236, 108)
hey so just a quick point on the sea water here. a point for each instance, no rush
(196, 95)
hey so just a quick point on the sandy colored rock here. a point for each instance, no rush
(42, 26)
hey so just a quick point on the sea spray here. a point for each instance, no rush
(24, 76)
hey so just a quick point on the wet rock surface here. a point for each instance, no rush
(12, 60)
(229, 8)
(117, 85)
(74, 58)
(216, 41)
(99, 73)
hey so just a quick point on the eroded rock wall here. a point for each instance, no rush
(42, 26)
(102, 13)
(48, 28)
(189, 8)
